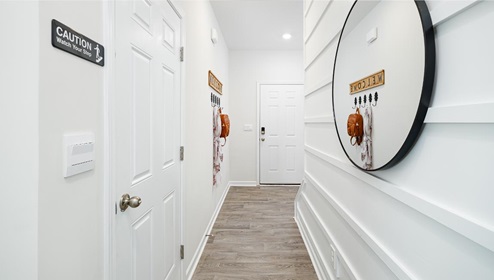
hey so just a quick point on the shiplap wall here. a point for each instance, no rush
(432, 215)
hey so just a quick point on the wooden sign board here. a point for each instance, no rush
(371, 81)
(215, 83)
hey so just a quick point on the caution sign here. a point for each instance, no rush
(66, 39)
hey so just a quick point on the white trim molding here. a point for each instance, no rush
(323, 83)
(313, 248)
(108, 191)
(309, 33)
(465, 113)
(200, 249)
(447, 9)
(466, 226)
(243, 184)
(321, 119)
(320, 266)
(386, 257)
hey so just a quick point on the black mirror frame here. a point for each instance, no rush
(427, 86)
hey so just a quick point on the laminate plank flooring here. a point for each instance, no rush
(256, 237)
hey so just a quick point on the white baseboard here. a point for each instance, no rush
(243, 183)
(200, 249)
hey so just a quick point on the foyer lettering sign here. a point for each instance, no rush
(66, 39)
(371, 81)
(215, 83)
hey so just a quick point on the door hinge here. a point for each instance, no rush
(181, 153)
(181, 252)
(181, 53)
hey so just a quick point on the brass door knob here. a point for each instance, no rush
(126, 201)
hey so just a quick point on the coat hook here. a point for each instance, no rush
(360, 102)
(365, 100)
(355, 102)
(376, 96)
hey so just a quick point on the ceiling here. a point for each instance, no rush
(259, 24)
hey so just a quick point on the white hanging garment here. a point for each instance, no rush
(366, 151)
(217, 153)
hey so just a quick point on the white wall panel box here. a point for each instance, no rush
(78, 154)
(214, 36)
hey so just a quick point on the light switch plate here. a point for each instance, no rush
(78, 154)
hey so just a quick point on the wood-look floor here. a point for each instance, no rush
(256, 237)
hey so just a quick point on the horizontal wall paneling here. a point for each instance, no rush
(441, 10)
(312, 248)
(320, 103)
(391, 261)
(477, 232)
(307, 6)
(465, 113)
(322, 137)
(313, 88)
(327, 30)
(314, 16)
(322, 68)
(429, 217)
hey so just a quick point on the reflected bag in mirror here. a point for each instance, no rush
(355, 127)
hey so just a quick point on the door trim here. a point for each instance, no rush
(109, 192)
(258, 125)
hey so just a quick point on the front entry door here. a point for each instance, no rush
(281, 134)
(145, 140)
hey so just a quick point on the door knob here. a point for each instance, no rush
(262, 139)
(126, 201)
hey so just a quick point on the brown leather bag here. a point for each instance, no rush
(225, 125)
(355, 127)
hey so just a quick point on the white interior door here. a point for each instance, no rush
(281, 134)
(145, 140)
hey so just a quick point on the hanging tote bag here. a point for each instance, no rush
(355, 128)
(225, 126)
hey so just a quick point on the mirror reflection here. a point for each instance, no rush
(384, 71)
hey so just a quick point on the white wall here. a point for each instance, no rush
(71, 93)
(202, 199)
(19, 141)
(430, 216)
(247, 68)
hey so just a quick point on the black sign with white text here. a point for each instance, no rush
(66, 39)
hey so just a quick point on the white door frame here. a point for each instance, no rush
(258, 126)
(109, 205)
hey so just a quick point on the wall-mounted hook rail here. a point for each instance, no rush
(362, 102)
(376, 97)
(215, 100)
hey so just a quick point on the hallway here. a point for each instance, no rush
(256, 237)
(109, 137)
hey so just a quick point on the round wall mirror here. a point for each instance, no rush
(384, 69)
